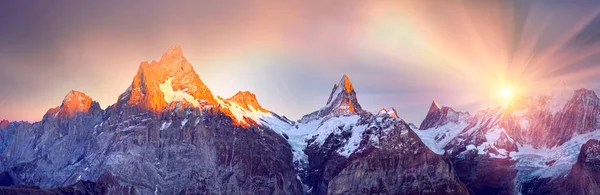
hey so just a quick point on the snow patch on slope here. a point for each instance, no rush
(239, 112)
(531, 162)
(562, 157)
(299, 134)
(437, 138)
(165, 125)
(176, 96)
(183, 122)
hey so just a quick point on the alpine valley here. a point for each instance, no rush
(168, 134)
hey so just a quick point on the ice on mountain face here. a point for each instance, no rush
(561, 157)
(531, 161)
(176, 96)
(354, 141)
(471, 147)
(296, 137)
(319, 129)
(240, 112)
(492, 136)
(165, 125)
(184, 122)
(437, 138)
(333, 125)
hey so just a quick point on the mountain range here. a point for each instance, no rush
(168, 134)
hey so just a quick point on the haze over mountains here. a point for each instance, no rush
(168, 134)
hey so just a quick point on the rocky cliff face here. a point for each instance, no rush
(198, 153)
(106, 184)
(579, 116)
(42, 153)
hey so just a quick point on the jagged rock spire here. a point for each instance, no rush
(433, 116)
(342, 101)
(170, 80)
(343, 97)
(439, 116)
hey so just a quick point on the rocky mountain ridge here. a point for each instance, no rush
(168, 134)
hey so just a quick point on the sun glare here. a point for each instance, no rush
(506, 93)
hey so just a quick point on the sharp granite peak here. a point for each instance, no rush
(75, 102)
(172, 83)
(342, 101)
(439, 115)
(170, 80)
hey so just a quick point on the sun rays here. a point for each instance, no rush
(486, 48)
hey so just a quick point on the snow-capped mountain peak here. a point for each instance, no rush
(344, 87)
(243, 108)
(247, 100)
(170, 80)
(390, 111)
(439, 116)
(341, 101)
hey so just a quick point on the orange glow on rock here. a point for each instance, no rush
(350, 106)
(145, 91)
(246, 99)
(74, 103)
(347, 84)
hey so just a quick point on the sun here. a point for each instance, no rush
(507, 93)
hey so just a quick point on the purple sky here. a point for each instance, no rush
(398, 53)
